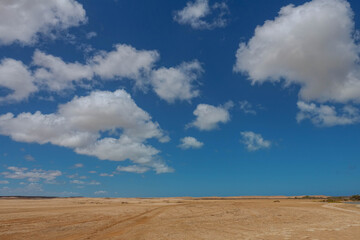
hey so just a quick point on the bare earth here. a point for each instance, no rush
(177, 218)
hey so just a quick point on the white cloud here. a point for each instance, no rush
(326, 115)
(51, 73)
(170, 84)
(94, 183)
(31, 189)
(80, 123)
(76, 176)
(254, 141)
(77, 181)
(90, 35)
(312, 45)
(29, 158)
(109, 111)
(132, 169)
(190, 142)
(56, 75)
(247, 107)
(106, 175)
(208, 117)
(23, 20)
(197, 14)
(78, 165)
(100, 192)
(4, 182)
(34, 175)
(43, 128)
(120, 149)
(16, 77)
(125, 62)
(175, 83)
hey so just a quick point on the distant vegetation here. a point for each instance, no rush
(333, 199)
(309, 197)
(343, 199)
(336, 199)
(355, 198)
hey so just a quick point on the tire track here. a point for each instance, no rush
(111, 229)
(341, 209)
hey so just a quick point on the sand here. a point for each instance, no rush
(177, 218)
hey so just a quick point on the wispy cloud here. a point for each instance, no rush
(93, 182)
(29, 158)
(327, 115)
(106, 174)
(101, 192)
(34, 175)
(132, 169)
(247, 107)
(199, 14)
(78, 165)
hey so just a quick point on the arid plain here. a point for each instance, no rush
(177, 218)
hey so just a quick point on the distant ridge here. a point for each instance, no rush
(35, 197)
(194, 198)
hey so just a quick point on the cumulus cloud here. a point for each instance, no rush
(54, 74)
(208, 117)
(4, 182)
(81, 123)
(201, 15)
(190, 142)
(124, 62)
(170, 84)
(254, 141)
(326, 115)
(17, 78)
(34, 175)
(132, 169)
(51, 73)
(120, 149)
(177, 83)
(22, 20)
(311, 45)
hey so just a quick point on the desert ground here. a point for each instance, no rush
(177, 218)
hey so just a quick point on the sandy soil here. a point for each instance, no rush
(177, 218)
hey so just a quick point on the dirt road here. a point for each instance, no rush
(177, 218)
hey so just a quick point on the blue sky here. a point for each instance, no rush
(179, 98)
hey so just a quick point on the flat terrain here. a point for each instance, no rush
(177, 218)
